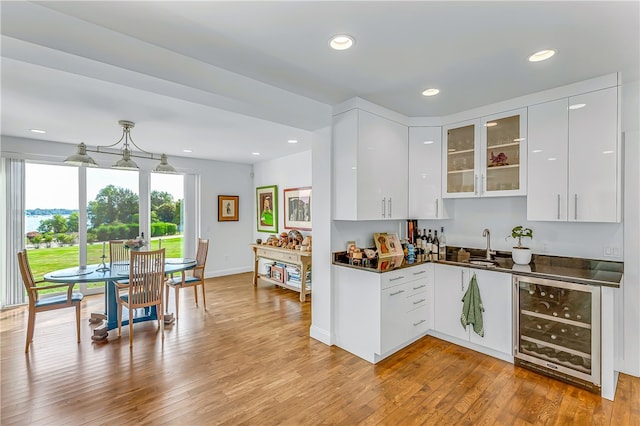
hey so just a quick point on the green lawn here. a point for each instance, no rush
(45, 260)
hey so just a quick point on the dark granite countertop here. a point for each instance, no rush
(570, 269)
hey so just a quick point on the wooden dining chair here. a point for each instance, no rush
(118, 252)
(143, 289)
(68, 300)
(191, 278)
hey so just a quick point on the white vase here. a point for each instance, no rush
(521, 256)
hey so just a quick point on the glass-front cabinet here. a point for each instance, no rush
(486, 157)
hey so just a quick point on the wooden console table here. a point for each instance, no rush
(291, 257)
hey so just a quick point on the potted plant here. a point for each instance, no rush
(521, 255)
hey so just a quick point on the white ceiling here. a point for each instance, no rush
(226, 79)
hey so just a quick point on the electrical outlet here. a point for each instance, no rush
(611, 251)
(607, 251)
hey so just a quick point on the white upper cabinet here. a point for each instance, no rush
(574, 159)
(370, 155)
(425, 173)
(548, 161)
(594, 157)
(504, 153)
(486, 157)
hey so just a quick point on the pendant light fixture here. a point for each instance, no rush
(81, 158)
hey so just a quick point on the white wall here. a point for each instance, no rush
(470, 216)
(292, 171)
(228, 252)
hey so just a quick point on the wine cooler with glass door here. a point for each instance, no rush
(557, 330)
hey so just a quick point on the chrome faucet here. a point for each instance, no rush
(487, 233)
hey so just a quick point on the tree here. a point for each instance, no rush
(166, 212)
(177, 215)
(159, 198)
(57, 224)
(72, 222)
(113, 204)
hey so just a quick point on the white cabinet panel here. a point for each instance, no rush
(548, 161)
(450, 285)
(593, 157)
(370, 167)
(425, 173)
(575, 160)
(497, 318)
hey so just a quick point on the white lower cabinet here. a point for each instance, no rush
(451, 283)
(379, 314)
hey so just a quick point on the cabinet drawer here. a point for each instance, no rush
(416, 301)
(392, 279)
(416, 287)
(276, 255)
(418, 321)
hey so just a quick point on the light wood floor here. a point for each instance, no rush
(250, 360)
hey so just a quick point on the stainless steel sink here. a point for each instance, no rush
(483, 262)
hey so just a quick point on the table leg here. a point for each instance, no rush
(255, 269)
(303, 282)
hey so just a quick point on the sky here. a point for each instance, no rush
(51, 186)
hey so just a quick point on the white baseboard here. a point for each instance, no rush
(321, 335)
(224, 272)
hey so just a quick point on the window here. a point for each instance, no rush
(167, 213)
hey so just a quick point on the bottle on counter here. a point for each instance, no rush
(429, 246)
(419, 243)
(425, 246)
(436, 245)
(442, 250)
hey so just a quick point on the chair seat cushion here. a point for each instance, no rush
(187, 281)
(55, 300)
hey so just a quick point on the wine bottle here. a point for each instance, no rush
(436, 245)
(419, 243)
(442, 250)
(430, 245)
(425, 247)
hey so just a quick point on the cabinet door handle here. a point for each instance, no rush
(396, 278)
(419, 287)
(417, 302)
(415, 324)
(390, 214)
(437, 209)
(558, 206)
(575, 210)
(384, 207)
(475, 184)
(418, 273)
(396, 293)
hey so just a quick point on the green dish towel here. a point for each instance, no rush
(472, 308)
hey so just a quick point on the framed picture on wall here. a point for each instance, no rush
(297, 208)
(228, 208)
(267, 208)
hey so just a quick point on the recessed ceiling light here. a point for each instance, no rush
(341, 42)
(255, 153)
(430, 92)
(491, 124)
(428, 142)
(292, 141)
(187, 150)
(577, 106)
(607, 152)
(38, 131)
(537, 150)
(552, 158)
(542, 55)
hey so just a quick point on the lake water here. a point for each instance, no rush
(31, 223)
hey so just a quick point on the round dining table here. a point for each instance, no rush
(109, 274)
